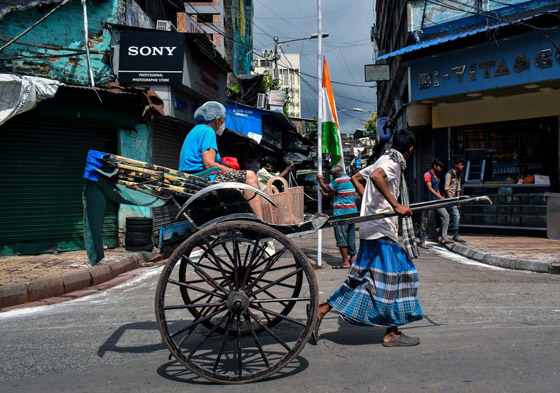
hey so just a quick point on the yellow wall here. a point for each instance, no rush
(516, 107)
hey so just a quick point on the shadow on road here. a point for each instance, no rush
(348, 334)
(329, 259)
(112, 343)
(175, 371)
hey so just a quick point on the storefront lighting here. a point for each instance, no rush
(474, 95)
(532, 86)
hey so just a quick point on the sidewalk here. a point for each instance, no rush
(48, 278)
(512, 252)
(45, 279)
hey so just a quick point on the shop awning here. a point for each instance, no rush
(454, 37)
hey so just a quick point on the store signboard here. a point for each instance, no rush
(377, 72)
(203, 75)
(151, 57)
(526, 59)
(244, 120)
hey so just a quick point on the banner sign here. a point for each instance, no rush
(151, 57)
(244, 120)
(383, 132)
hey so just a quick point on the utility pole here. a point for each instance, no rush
(275, 79)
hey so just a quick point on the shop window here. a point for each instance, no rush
(205, 18)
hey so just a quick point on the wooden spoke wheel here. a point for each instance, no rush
(223, 300)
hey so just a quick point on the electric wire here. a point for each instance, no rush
(324, 13)
(525, 8)
(499, 19)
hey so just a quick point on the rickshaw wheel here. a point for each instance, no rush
(190, 295)
(237, 328)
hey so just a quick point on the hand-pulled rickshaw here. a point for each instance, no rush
(237, 299)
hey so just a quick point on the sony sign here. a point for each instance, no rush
(150, 57)
(151, 50)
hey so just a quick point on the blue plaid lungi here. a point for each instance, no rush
(381, 287)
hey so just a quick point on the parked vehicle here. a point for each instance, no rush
(308, 179)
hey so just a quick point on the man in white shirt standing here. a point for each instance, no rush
(381, 288)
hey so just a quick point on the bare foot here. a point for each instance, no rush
(324, 308)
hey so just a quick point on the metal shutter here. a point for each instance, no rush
(41, 186)
(424, 157)
(169, 136)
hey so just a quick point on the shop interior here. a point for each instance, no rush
(515, 163)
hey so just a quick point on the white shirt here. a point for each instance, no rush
(374, 202)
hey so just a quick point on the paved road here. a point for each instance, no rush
(486, 330)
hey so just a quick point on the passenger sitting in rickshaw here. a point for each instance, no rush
(200, 152)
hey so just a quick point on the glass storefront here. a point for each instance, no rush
(514, 163)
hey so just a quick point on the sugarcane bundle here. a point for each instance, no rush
(141, 176)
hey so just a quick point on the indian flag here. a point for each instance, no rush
(330, 129)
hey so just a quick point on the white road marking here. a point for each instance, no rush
(445, 253)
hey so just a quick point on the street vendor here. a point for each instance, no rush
(381, 287)
(200, 152)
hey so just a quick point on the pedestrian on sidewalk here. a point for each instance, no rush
(431, 193)
(453, 189)
(382, 285)
(344, 202)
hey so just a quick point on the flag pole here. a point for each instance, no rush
(319, 121)
(340, 145)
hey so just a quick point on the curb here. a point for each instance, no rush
(47, 287)
(503, 261)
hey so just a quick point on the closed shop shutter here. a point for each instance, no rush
(169, 136)
(424, 158)
(41, 184)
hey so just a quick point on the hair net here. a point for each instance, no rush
(209, 111)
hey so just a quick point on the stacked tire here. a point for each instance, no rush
(139, 234)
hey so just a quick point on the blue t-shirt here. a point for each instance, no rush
(344, 201)
(201, 138)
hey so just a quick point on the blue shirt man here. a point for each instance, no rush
(344, 203)
(344, 200)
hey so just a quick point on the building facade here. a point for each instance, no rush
(44, 149)
(229, 24)
(478, 81)
(288, 77)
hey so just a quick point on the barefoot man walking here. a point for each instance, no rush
(382, 285)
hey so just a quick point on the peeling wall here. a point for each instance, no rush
(54, 48)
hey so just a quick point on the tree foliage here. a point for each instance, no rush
(370, 125)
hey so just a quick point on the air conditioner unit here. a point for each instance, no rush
(165, 25)
(261, 101)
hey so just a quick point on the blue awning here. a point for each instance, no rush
(442, 40)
